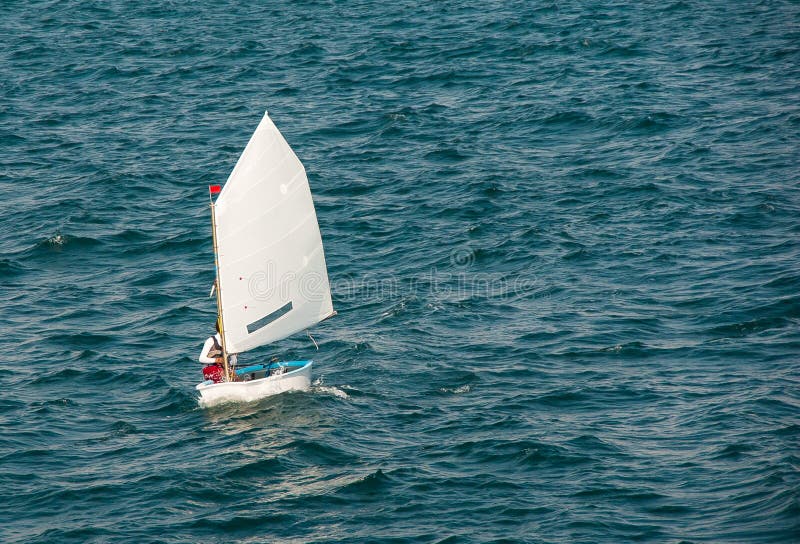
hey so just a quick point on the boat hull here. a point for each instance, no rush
(212, 394)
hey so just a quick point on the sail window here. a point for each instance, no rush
(269, 318)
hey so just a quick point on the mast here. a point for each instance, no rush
(219, 291)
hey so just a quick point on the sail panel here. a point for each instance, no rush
(272, 275)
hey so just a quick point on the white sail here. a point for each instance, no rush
(272, 276)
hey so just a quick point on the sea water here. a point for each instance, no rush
(563, 241)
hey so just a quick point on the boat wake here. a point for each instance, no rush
(317, 387)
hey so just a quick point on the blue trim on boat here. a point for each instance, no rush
(259, 368)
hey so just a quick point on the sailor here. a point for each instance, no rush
(212, 357)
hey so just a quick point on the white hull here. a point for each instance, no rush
(217, 393)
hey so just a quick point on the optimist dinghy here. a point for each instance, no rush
(271, 278)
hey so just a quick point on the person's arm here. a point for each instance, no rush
(204, 358)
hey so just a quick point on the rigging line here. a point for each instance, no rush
(312, 339)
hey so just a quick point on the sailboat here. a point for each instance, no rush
(271, 278)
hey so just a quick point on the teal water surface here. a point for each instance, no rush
(563, 240)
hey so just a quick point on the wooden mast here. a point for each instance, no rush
(219, 291)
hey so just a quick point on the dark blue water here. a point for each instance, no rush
(564, 242)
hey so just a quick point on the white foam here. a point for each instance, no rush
(457, 390)
(317, 387)
(57, 240)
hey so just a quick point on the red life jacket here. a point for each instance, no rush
(213, 372)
